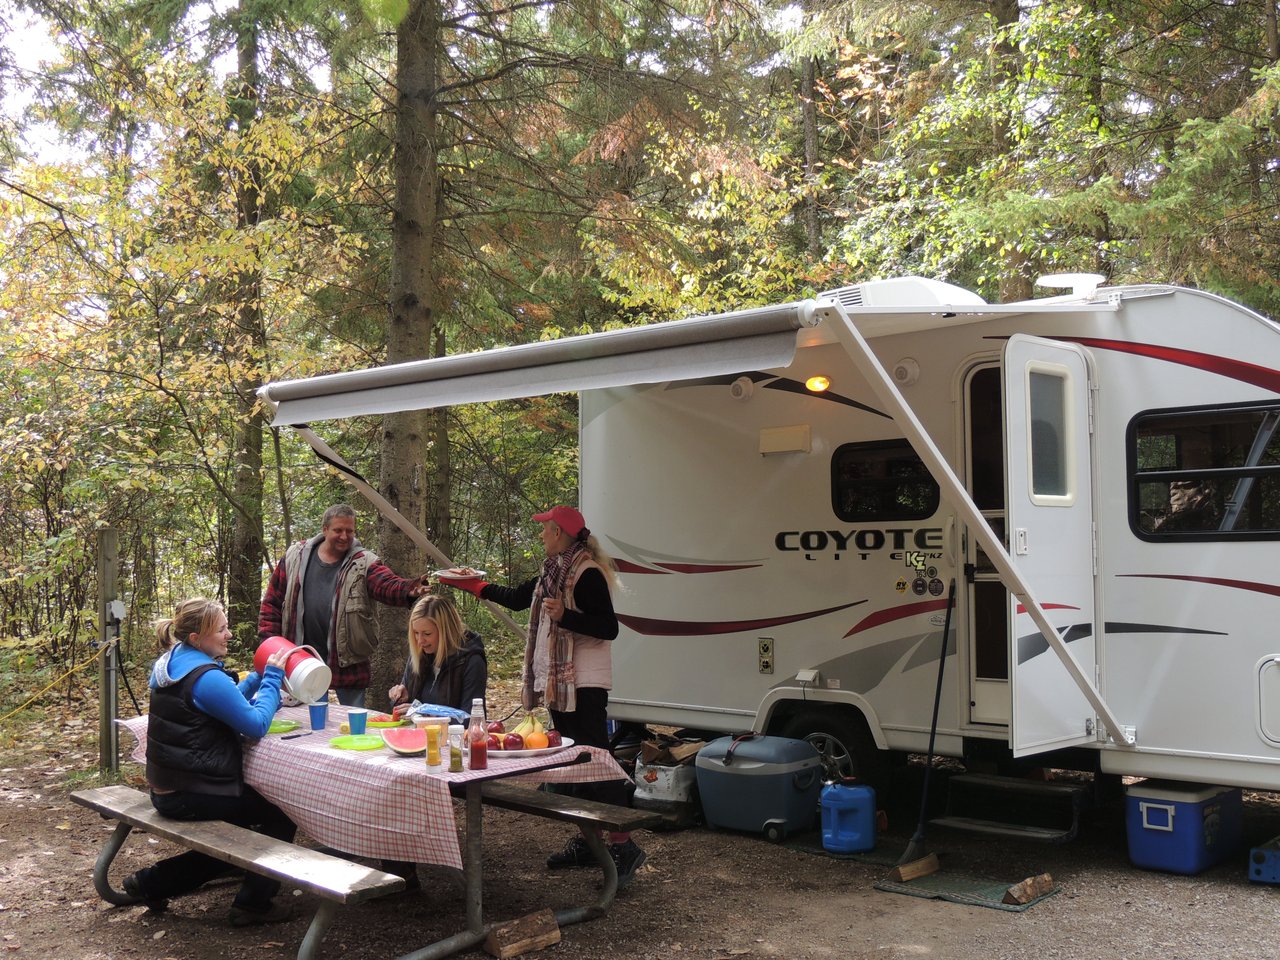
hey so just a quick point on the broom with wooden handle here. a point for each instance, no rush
(915, 862)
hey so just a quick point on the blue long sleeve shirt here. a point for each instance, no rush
(246, 707)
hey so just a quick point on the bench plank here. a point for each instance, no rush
(559, 806)
(326, 876)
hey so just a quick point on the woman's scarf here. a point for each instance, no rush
(561, 692)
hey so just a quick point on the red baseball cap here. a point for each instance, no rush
(566, 518)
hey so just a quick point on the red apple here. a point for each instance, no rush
(553, 738)
(513, 741)
(495, 742)
(495, 726)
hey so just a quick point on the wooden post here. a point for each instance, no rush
(108, 654)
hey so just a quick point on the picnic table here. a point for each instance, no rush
(379, 804)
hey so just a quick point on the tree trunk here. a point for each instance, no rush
(1015, 280)
(412, 309)
(244, 573)
(809, 121)
(440, 483)
(1273, 35)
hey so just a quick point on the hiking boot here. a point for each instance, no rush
(274, 913)
(628, 858)
(133, 887)
(576, 853)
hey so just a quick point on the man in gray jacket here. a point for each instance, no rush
(321, 595)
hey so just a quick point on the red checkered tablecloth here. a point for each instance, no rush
(377, 803)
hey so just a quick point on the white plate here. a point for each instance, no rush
(539, 752)
(453, 574)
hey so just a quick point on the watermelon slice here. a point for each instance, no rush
(406, 741)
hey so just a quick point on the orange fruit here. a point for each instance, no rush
(535, 741)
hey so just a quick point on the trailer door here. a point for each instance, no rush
(1051, 538)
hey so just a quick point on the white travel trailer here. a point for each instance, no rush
(788, 493)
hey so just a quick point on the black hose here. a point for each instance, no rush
(915, 848)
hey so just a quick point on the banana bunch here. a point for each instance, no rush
(530, 724)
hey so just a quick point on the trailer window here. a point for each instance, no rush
(1049, 434)
(1206, 474)
(884, 480)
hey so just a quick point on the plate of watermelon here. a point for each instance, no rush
(382, 721)
(406, 741)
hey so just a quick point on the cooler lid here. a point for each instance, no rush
(1175, 791)
(777, 752)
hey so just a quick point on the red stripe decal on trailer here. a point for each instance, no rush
(707, 567)
(626, 566)
(1271, 589)
(1265, 377)
(1048, 606)
(677, 628)
(896, 613)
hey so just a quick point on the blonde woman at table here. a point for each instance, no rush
(446, 666)
(567, 661)
(446, 663)
(194, 763)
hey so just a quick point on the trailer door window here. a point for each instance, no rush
(1206, 474)
(1049, 440)
(883, 480)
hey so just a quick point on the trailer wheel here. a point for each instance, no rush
(844, 743)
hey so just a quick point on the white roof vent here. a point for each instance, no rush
(1080, 284)
(903, 292)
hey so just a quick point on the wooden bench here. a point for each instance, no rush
(590, 816)
(335, 881)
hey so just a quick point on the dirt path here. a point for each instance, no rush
(704, 894)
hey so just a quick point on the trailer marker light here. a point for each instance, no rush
(818, 384)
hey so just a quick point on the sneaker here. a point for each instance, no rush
(628, 858)
(274, 913)
(133, 887)
(576, 853)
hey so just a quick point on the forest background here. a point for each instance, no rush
(197, 198)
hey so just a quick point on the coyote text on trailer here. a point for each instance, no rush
(1098, 472)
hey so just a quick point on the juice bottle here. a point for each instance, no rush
(434, 736)
(478, 737)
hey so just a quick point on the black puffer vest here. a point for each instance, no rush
(186, 748)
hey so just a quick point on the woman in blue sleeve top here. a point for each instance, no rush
(194, 764)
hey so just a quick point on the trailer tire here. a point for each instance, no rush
(844, 743)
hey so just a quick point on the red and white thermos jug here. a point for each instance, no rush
(306, 676)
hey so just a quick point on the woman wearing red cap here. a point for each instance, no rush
(567, 660)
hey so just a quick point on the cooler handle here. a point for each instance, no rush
(727, 759)
(1166, 808)
(808, 776)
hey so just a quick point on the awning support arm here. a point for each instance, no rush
(887, 392)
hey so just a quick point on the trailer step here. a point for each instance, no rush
(1043, 811)
(996, 829)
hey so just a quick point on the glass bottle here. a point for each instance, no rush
(478, 737)
(455, 747)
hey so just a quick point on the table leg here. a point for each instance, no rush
(596, 844)
(473, 873)
(320, 924)
(101, 883)
(474, 860)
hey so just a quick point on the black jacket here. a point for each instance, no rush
(461, 678)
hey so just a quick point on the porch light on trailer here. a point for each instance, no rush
(818, 384)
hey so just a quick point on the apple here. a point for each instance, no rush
(553, 738)
(495, 726)
(513, 741)
(495, 742)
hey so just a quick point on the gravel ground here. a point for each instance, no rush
(703, 894)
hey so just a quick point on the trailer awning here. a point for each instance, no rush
(737, 342)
